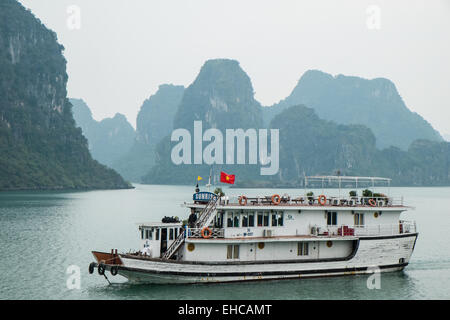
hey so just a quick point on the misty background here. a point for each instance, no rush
(124, 50)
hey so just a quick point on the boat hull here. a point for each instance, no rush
(372, 254)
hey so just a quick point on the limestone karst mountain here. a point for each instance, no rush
(40, 147)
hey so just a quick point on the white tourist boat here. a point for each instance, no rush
(273, 237)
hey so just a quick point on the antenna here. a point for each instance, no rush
(209, 180)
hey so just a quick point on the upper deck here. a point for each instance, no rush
(367, 201)
(308, 202)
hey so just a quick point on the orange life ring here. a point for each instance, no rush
(209, 233)
(322, 200)
(243, 200)
(372, 202)
(278, 201)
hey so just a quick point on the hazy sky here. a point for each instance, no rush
(124, 49)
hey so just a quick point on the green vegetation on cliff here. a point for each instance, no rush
(221, 97)
(312, 146)
(353, 100)
(40, 147)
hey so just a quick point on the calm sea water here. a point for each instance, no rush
(43, 233)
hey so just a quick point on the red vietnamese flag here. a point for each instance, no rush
(227, 178)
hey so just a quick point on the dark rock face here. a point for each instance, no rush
(310, 145)
(221, 97)
(40, 147)
(353, 100)
(109, 139)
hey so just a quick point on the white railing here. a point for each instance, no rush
(197, 233)
(367, 230)
(347, 201)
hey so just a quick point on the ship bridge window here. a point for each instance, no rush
(359, 219)
(171, 234)
(332, 218)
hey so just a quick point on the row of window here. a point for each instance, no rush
(168, 233)
(233, 250)
(358, 219)
(252, 219)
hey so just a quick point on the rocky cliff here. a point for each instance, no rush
(352, 100)
(221, 97)
(109, 139)
(40, 147)
(154, 122)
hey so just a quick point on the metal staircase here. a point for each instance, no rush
(174, 246)
(207, 215)
(204, 220)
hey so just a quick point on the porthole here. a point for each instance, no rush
(375, 214)
(329, 244)
(191, 247)
(261, 245)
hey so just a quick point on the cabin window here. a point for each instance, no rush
(233, 251)
(260, 219)
(277, 219)
(274, 220)
(359, 219)
(302, 248)
(332, 218)
(142, 233)
(171, 234)
(251, 219)
(280, 219)
(236, 220)
(176, 233)
(148, 234)
(236, 251)
(229, 220)
(245, 220)
(266, 219)
(219, 220)
(157, 234)
(229, 252)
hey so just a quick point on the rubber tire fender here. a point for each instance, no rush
(101, 269)
(91, 267)
(114, 270)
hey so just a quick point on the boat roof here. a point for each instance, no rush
(348, 178)
(160, 224)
